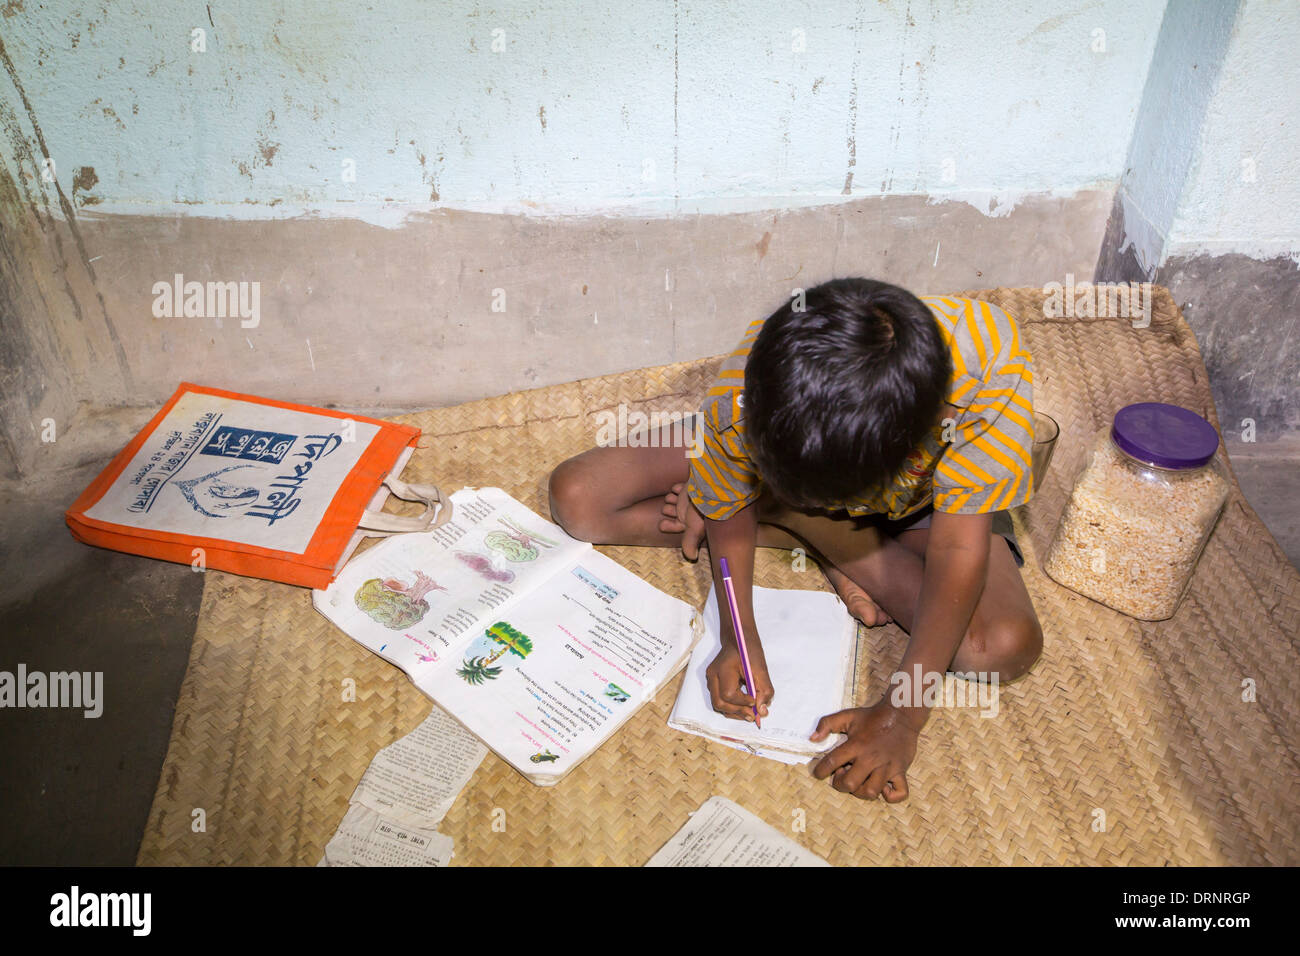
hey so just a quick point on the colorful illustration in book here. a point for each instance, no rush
(484, 566)
(516, 544)
(498, 641)
(216, 499)
(615, 693)
(474, 671)
(394, 603)
(544, 757)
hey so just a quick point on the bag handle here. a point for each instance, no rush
(381, 524)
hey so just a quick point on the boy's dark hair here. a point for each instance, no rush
(837, 394)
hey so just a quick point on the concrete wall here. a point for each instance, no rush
(1210, 201)
(457, 305)
(1214, 164)
(582, 192)
(575, 105)
(412, 185)
(1189, 54)
(1243, 194)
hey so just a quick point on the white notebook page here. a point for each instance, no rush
(808, 639)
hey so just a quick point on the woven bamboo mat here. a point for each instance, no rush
(1129, 742)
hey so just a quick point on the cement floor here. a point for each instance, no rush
(77, 790)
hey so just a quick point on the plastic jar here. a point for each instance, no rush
(1142, 508)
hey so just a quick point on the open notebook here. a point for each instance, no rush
(810, 642)
(538, 644)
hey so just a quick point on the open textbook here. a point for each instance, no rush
(810, 642)
(534, 641)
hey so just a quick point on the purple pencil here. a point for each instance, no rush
(740, 635)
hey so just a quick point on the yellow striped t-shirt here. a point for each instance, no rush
(984, 467)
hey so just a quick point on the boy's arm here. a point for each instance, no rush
(736, 538)
(956, 567)
(882, 739)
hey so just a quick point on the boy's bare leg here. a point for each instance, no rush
(631, 496)
(858, 601)
(1004, 636)
(617, 495)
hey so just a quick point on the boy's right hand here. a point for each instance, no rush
(726, 680)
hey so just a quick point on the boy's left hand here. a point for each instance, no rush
(874, 760)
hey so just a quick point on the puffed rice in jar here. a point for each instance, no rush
(1141, 511)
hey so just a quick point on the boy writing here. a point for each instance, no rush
(888, 435)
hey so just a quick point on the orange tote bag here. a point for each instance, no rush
(254, 486)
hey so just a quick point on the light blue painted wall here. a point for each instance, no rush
(1243, 193)
(1214, 166)
(1193, 42)
(944, 98)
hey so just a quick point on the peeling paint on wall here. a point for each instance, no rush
(571, 108)
(83, 181)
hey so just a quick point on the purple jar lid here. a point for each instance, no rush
(1167, 436)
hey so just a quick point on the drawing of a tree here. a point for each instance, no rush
(511, 641)
(475, 671)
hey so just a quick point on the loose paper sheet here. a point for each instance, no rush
(415, 780)
(364, 838)
(722, 833)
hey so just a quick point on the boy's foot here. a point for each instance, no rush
(855, 599)
(675, 504)
(680, 516)
(675, 519)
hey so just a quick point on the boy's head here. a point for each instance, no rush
(838, 393)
